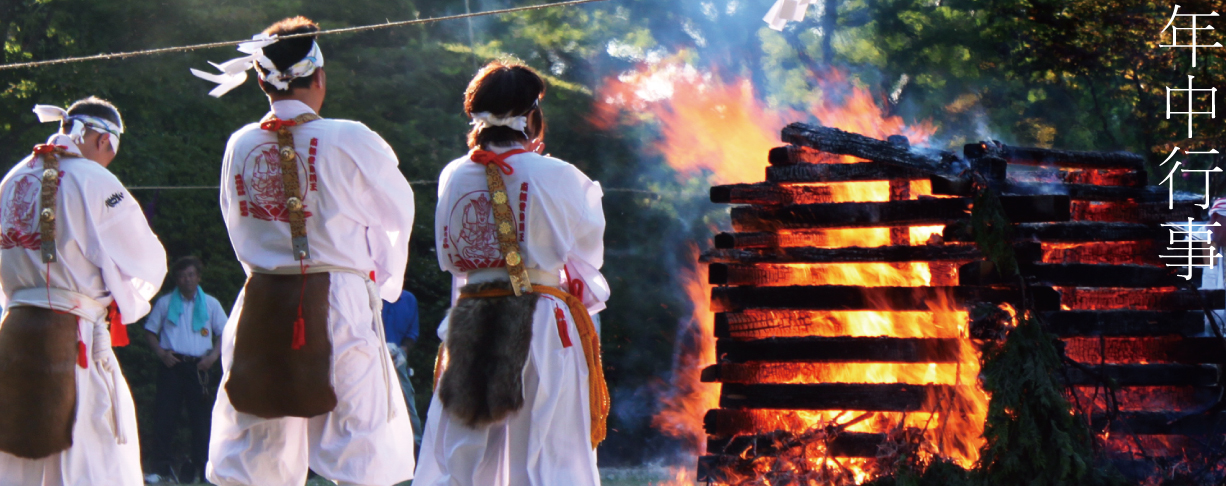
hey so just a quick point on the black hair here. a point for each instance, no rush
(286, 53)
(97, 108)
(505, 89)
(185, 262)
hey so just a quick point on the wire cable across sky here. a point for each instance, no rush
(345, 30)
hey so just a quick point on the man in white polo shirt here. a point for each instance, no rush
(183, 330)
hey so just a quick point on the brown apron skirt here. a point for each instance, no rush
(38, 385)
(488, 340)
(268, 378)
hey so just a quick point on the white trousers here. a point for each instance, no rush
(104, 420)
(545, 443)
(356, 443)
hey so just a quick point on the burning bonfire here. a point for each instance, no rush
(841, 312)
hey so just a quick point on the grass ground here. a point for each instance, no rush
(630, 476)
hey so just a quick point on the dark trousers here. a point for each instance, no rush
(179, 387)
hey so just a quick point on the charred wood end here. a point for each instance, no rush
(725, 241)
(994, 169)
(780, 156)
(717, 274)
(722, 329)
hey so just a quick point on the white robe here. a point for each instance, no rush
(360, 213)
(106, 253)
(548, 441)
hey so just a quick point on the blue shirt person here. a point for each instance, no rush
(401, 330)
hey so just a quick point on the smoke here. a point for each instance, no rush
(720, 56)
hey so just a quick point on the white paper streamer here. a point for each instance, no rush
(234, 72)
(787, 10)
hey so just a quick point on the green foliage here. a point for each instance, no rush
(992, 230)
(1033, 437)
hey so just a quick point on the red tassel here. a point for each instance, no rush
(299, 324)
(299, 333)
(82, 360)
(119, 332)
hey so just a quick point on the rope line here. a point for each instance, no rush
(424, 183)
(345, 30)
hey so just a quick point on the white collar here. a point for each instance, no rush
(63, 139)
(502, 149)
(289, 109)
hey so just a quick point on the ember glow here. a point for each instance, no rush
(762, 323)
(1107, 253)
(713, 127)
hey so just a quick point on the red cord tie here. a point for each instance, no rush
(276, 124)
(300, 324)
(485, 157)
(46, 148)
(119, 332)
(575, 286)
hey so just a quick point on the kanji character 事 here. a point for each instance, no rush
(1191, 249)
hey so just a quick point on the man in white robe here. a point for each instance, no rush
(105, 254)
(358, 211)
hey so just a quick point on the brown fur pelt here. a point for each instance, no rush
(38, 384)
(268, 378)
(487, 345)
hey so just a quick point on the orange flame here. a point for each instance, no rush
(720, 130)
(682, 415)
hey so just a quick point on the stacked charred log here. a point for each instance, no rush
(1086, 231)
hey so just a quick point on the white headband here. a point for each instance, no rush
(48, 114)
(234, 72)
(486, 119)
